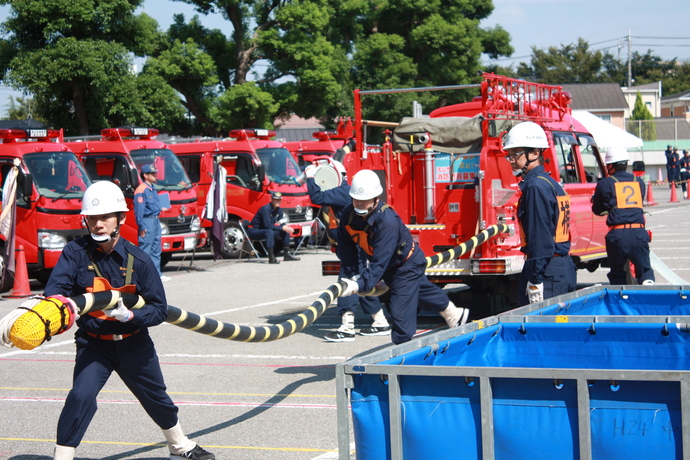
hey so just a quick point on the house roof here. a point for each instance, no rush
(20, 124)
(683, 95)
(596, 96)
(653, 86)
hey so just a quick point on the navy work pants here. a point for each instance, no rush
(623, 244)
(270, 236)
(411, 291)
(135, 361)
(560, 277)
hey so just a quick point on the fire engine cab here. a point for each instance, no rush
(118, 156)
(447, 177)
(255, 165)
(322, 144)
(50, 186)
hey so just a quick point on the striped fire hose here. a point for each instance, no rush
(105, 300)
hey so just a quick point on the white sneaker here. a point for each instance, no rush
(647, 282)
(165, 278)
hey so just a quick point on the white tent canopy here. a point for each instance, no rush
(605, 134)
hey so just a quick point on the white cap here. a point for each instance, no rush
(365, 185)
(103, 197)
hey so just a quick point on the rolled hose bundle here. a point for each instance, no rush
(55, 314)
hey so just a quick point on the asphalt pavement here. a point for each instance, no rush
(272, 400)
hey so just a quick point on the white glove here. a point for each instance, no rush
(351, 287)
(120, 313)
(535, 292)
(310, 171)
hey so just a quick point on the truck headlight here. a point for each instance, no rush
(195, 225)
(164, 228)
(47, 240)
(309, 214)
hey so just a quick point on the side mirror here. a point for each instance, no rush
(262, 173)
(27, 184)
(133, 178)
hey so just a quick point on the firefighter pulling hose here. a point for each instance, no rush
(27, 329)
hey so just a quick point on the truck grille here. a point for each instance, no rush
(295, 216)
(176, 227)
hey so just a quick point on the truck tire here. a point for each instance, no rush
(234, 241)
(165, 258)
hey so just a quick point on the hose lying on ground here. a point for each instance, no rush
(27, 328)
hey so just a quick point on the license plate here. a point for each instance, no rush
(306, 230)
(189, 243)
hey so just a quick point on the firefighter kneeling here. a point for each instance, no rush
(543, 209)
(621, 196)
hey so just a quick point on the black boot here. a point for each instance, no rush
(289, 257)
(271, 257)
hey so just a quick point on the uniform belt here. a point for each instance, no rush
(616, 227)
(114, 337)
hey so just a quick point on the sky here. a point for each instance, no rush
(660, 25)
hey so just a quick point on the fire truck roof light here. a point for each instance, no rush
(15, 134)
(255, 133)
(130, 132)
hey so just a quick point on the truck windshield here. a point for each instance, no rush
(171, 175)
(57, 175)
(281, 168)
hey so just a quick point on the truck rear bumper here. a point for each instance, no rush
(183, 241)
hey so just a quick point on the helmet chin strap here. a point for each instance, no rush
(523, 170)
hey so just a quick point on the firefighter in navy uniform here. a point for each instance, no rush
(267, 224)
(544, 215)
(393, 257)
(118, 339)
(337, 198)
(621, 196)
(684, 171)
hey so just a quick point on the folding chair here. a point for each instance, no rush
(244, 224)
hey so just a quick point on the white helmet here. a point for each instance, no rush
(365, 185)
(103, 197)
(616, 154)
(526, 134)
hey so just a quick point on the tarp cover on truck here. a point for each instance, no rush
(448, 134)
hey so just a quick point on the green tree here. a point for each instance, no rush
(646, 129)
(75, 59)
(22, 108)
(572, 63)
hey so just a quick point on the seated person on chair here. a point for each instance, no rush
(266, 225)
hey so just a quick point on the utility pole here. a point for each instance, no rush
(629, 59)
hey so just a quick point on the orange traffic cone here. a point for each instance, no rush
(674, 196)
(650, 195)
(21, 276)
(687, 190)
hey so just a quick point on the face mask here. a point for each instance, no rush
(100, 238)
(361, 212)
(517, 173)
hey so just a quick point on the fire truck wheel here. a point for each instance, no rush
(233, 241)
(165, 258)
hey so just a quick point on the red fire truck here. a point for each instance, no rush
(118, 156)
(255, 166)
(50, 187)
(324, 143)
(447, 177)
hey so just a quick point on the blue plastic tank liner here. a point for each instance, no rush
(617, 302)
(533, 418)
